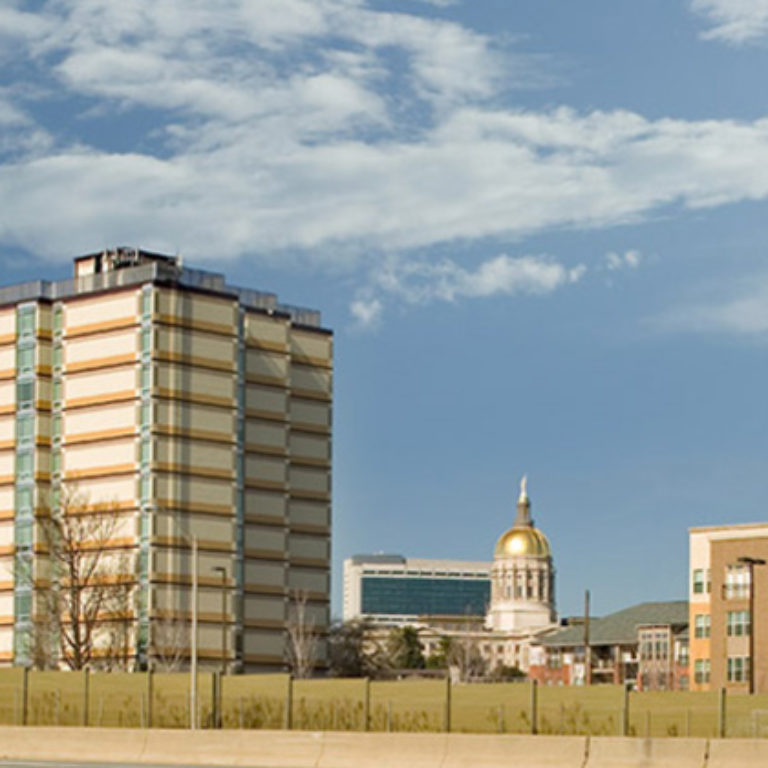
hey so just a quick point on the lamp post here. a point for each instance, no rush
(751, 562)
(192, 540)
(223, 573)
(193, 660)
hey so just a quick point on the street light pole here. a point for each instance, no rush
(751, 562)
(223, 572)
(193, 660)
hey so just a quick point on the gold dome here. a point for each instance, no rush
(522, 541)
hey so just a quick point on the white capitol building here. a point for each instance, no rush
(499, 608)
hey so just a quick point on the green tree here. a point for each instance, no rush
(351, 652)
(405, 649)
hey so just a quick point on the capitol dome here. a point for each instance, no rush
(522, 541)
(522, 576)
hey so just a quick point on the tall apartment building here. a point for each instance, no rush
(720, 620)
(201, 412)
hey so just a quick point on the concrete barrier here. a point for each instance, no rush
(480, 751)
(276, 749)
(89, 744)
(738, 753)
(306, 749)
(384, 750)
(623, 752)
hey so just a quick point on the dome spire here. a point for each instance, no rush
(523, 518)
(523, 489)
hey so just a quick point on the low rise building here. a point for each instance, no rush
(646, 645)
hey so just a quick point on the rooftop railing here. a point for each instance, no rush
(121, 278)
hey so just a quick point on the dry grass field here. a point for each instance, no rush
(261, 701)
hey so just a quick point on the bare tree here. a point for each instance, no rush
(303, 640)
(169, 644)
(88, 605)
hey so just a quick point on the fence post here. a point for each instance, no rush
(367, 705)
(150, 693)
(448, 702)
(721, 714)
(25, 697)
(86, 694)
(534, 706)
(625, 712)
(289, 704)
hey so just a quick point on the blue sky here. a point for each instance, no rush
(537, 228)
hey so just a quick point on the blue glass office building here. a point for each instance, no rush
(392, 589)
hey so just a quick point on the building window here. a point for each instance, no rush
(24, 498)
(702, 625)
(701, 670)
(701, 581)
(25, 428)
(26, 321)
(146, 340)
(737, 623)
(555, 659)
(23, 605)
(25, 359)
(25, 393)
(738, 669)
(736, 581)
(146, 302)
(682, 657)
(25, 463)
(23, 533)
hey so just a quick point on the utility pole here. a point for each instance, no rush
(587, 649)
(751, 562)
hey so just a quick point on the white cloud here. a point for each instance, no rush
(290, 125)
(742, 311)
(366, 312)
(614, 261)
(734, 21)
(440, 3)
(422, 282)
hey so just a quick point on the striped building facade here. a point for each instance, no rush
(199, 412)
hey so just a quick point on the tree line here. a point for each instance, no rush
(358, 649)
